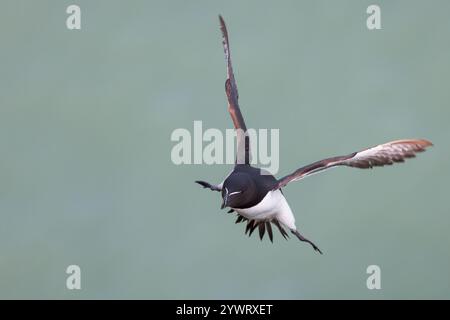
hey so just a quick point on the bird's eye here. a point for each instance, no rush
(236, 192)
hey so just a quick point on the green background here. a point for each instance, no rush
(86, 176)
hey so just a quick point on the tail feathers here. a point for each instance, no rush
(281, 229)
(263, 227)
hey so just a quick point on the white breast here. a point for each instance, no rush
(273, 205)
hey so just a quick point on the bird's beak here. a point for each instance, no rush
(225, 200)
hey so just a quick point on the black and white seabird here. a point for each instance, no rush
(256, 196)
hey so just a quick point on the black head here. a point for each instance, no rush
(237, 190)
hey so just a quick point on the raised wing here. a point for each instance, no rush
(381, 155)
(243, 143)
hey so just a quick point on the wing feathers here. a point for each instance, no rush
(243, 144)
(387, 154)
(378, 156)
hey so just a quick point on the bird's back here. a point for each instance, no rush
(263, 182)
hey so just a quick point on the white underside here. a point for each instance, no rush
(274, 205)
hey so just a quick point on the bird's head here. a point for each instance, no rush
(235, 190)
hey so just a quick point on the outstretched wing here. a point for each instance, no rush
(243, 142)
(381, 155)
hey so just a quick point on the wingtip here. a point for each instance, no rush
(202, 183)
(424, 143)
(222, 21)
(427, 143)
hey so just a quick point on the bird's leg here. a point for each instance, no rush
(205, 184)
(302, 238)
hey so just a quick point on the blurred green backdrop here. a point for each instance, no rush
(86, 176)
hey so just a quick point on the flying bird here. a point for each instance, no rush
(256, 196)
